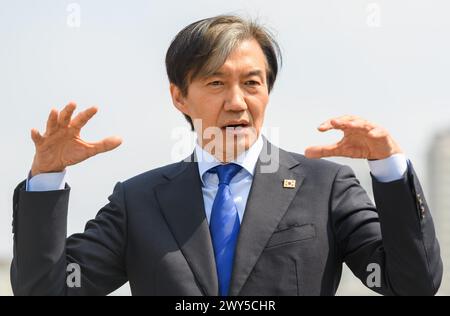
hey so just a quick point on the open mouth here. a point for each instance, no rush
(236, 129)
(235, 125)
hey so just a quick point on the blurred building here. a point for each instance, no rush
(439, 198)
(5, 285)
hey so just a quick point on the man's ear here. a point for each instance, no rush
(178, 99)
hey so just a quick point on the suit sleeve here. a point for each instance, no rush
(392, 248)
(46, 262)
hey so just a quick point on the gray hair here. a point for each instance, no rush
(202, 47)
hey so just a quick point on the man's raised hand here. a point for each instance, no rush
(62, 146)
(362, 139)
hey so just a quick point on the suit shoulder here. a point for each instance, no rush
(152, 177)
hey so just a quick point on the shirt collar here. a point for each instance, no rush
(247, 159)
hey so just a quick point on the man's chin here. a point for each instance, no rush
(233, 143)
(237, 145)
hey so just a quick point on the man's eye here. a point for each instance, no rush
(252, 83)
(215, 83)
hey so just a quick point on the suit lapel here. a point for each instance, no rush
(267, 203)
(181, 201)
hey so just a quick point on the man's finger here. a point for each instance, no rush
(328, 124)
(322, 151)
(325, 126)
(347, 118)
(36, 136)
(105, 145)
(52, 121)
(335, 124)
(66, 114)
(357, 124)
(342, 124)
(360, 125)
(83, 117)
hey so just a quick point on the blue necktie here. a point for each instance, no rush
(224, 225)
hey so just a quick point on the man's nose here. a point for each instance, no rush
(235, 100)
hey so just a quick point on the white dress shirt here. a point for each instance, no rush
(240, 184)
(384, 170)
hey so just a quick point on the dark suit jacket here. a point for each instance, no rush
(154, 234)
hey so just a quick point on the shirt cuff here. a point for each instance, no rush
(46, 181)
(389, 169)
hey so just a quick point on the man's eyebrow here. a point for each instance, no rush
(254, 73)
(217, 74)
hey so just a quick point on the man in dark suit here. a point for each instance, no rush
(239, 216)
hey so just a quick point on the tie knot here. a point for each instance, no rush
(226, 172)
